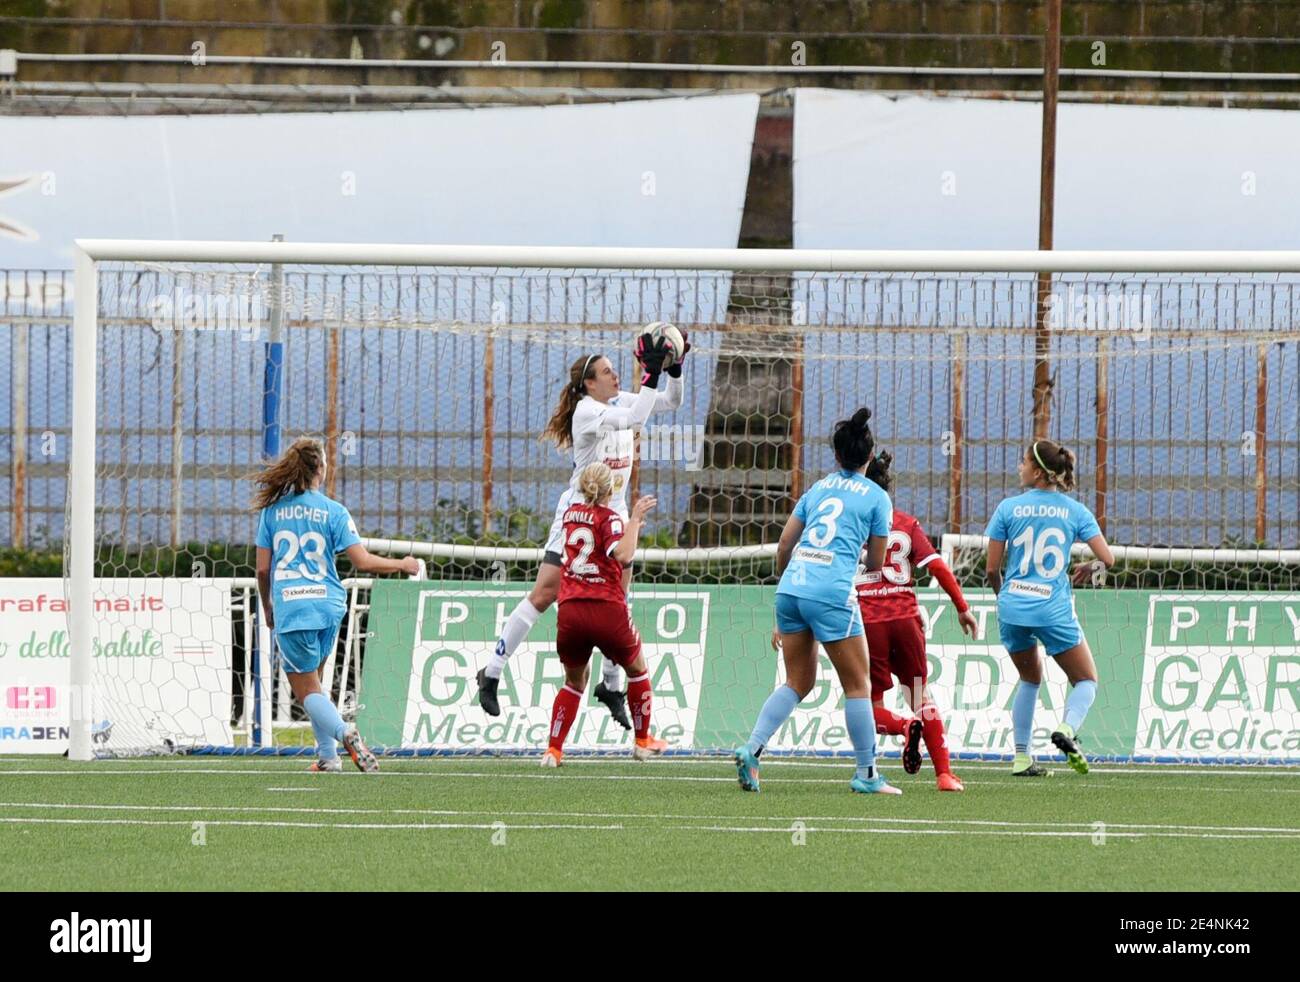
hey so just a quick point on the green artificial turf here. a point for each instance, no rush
(679, 824)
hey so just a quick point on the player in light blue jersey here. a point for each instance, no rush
(1034, 532)
(818, 558)
(300, 530)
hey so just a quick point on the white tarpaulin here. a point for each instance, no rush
(909, 173)
(668, 172)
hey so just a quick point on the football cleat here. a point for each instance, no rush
(647, 747)
(1066, 742)
(553, 758)
(359, 752)
(327, 765)
(746, 768)
(876, 785)
(487, 693)
(1026, 766)
(949, 781)
(615, 702)
(912, 745)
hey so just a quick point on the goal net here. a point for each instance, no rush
(429, 374)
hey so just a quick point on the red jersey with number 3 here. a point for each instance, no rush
(590, 571)
(890, 592)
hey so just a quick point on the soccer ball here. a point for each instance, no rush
(666, 331)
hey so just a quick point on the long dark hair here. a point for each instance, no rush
(878, 470)
(293, 473)
(560, 428)
(852, 440)
(1055, 462)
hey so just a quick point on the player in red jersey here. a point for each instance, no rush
(593, 609)
(896, 634)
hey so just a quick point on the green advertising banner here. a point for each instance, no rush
(1188, 676)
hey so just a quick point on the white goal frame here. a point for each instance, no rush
(88, 253)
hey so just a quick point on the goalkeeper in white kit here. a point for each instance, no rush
(598, 420)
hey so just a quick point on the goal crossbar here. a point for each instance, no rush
(738, 260)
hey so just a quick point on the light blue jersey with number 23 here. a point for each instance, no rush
(304, 532)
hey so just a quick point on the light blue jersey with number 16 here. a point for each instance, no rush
(1039, 527)
(840, 512)
(304, 532)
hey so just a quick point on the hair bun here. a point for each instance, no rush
(860, 417)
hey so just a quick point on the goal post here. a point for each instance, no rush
(937, 342)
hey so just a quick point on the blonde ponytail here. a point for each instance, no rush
(596, 482)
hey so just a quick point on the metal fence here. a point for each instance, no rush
(431, 387)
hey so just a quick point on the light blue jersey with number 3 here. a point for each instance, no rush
(1039, 527)
(304, 532)
(839, 513)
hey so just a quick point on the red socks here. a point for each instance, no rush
(563, 713)
(931, 732)
(887, 722)
(638, 704)
(935, 741)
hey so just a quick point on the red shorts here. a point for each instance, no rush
(897, 647)
(603, 624)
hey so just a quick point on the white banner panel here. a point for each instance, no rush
(663, 172)
(162, 650)
(874, 172)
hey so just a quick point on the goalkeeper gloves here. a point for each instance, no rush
(651, 354)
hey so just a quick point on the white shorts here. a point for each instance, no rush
(555, 541)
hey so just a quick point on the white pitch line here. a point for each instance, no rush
(453, 826)
(652, 816)
(1079, 783)
(136, 766)
(1145, 770)
(302, 790)
(301, 825)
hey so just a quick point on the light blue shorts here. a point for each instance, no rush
(306, 651)
(828, 622)
(1056, 638)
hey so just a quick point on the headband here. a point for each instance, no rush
(583, 374)
(1046, 469)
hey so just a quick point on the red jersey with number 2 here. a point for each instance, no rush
(890, 592)
(590, 571)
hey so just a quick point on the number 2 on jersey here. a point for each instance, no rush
(583, 537)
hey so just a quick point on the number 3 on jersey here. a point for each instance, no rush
(823, 529)
(897, 567)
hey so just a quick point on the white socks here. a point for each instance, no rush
(609, 672)
(518, 624)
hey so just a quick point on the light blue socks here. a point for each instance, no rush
(780, 704)
(326, 723)
(1022, 715)
(1079, 702)
(861, 724)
